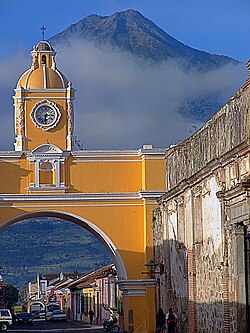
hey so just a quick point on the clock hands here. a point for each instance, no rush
(48, 118)
(45, 116)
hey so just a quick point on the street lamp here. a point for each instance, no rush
(152, 265)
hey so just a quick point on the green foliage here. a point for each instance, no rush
(10, 295)
(48, 245)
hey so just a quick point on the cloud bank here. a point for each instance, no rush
(123, 102)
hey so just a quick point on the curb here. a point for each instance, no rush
(85, 325)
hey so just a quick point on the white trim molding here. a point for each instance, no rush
(80, 197)
(158, 153)
(70, 197)
(135, 287)
(50, 90)
(150, 195)
(10, 156)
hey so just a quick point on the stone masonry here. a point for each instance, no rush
(202, 224)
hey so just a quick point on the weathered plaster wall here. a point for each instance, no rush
(209, 255)
(173, 254)
(211, 213)
(203, 218)
(225, 131)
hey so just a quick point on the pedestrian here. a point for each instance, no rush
(91, 316)
(160, 321)
(171, 319)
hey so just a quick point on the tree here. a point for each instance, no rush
(10, 295)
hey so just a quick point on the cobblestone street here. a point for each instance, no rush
(41, 326)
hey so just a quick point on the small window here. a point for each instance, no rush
(4, 313)
(43, 60)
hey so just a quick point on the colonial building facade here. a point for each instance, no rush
(111, 193)
(202, 225)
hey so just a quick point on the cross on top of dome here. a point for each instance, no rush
(43, 45)
(43, 28)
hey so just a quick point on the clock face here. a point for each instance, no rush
(45, 115)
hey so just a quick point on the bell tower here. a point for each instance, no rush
(43, 103)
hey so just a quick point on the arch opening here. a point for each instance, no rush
(94, 287)
(87, 225)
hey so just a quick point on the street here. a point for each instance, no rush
(42, 326)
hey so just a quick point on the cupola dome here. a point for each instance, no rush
(43, 73)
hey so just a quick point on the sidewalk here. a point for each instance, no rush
(96, 328)
(86, 325)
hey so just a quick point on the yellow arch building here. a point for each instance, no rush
(111, 193)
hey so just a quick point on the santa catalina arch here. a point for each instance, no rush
(112, 193)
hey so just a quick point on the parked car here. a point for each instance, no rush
(39, 315)
(49, 308)
(25, 318)
(58, 315)
(5, 319)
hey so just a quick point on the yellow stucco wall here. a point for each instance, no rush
(127, 222)
(114, 190)
(105, 176)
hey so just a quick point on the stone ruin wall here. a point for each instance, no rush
(179, 229)
(212, 153)
(208, 247)
(209, 290)
(173, 282)
(224, 132)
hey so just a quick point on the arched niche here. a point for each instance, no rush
(47, 161)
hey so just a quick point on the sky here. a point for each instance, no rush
(118, 102)
(216, 26)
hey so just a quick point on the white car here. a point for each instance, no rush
(5, 319)
(58, 315)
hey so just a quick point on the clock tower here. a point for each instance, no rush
(43, 104)
(110, 193)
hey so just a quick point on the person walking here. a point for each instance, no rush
(171, 319)
(160, 321)
(91, 316)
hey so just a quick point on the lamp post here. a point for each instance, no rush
(151, 266)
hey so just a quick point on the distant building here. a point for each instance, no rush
(78, 294)
(96, 291)
(202, 227)
(37, 290)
